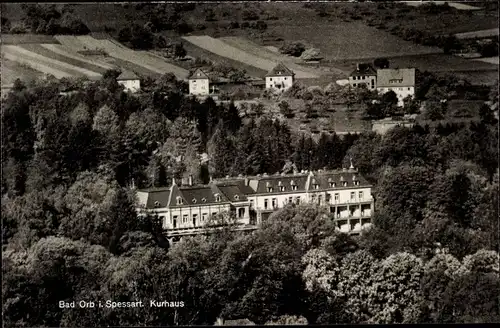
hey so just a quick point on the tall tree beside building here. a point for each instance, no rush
(221, 152)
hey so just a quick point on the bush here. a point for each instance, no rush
(234, 25)
(293, 49)
(249, 15)
(183, 27)
(260, 25)
(245, 25)
(200, 27)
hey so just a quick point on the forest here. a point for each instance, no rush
(73, 152)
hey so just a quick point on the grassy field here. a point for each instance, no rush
(27, 38)
(221, 48)
(478, 34)
(351, 40)
(12, 70)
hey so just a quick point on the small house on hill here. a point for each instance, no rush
(363, 74)
(199, 83)
(129, 80)
(401, 81)
(280, 78)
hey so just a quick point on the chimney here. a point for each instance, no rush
(190, 180)
(246, 181)
(357, 66)
(173, 182)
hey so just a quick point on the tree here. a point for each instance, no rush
(106, 121)
(221, 152)
(285, 109)
(293, 48)
(395, 296)
(381, 63)
(287, 320)
(179, 51)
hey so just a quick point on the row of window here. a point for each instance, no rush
(359, 78)
(296, 199)
(315, 186)
(218, 198)
(270, 79)
(399, 89)
(392, 81)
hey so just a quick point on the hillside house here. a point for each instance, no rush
(401, 81)
(186, 209)
(280, 78)
(364, 74)
(199, 83)
(129, 80)
(384, 125)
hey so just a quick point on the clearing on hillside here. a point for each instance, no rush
(223, 49)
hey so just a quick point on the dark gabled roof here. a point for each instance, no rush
(280, 70)
(261, 184)
(159, 195)
(384, 76)
(198, 74)
(127, 75)
(233, 192)
(323, 180)
(364, 70)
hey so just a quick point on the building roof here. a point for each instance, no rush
(280, 70)
(363, 69)
(390, 77)
(238, 189)
(199, 74)
(127, 75)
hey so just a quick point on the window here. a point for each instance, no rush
(360, 195)
(214, 213)
(354, 84)
(204, 200)
(174, 221)
(157, 204)
(251, 202)
(344, 183)
(274, 202)
(236, 197)
(269, 189)
(316, 186)
(162, 219)
(337, 197)
(353, 196)
(179, 201)
(290, 200)
(408, 89)
(185, 218)
(265, 204)
(356, 183)
(320, 199)
(195, 219)
(270, 79)
(204, 216)
(363, 77)
(297, 200)
(282, 188)
(332, 184)
(285, 78)
(217, 198)
(193, 200)
(294, 187)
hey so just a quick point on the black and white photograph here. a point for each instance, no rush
(224, 163)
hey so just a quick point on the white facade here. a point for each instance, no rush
(279, 83)
(130, 85)
(369, 80)
(199, 86)
(401, 92)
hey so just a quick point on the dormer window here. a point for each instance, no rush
(157, 204)
(269, 189)
(344, 183)
(179, 200)
(282, 188)
(217, 198)
(204, 200)
(193, 200)
(236, 197)
(356, 183)
(316, 186)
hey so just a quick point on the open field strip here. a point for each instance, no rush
(490, 60)
(140, 58)
(27, 39)
(12, 71)
(34, 57)
(262, 52)
(456, 5)
(71, 42)
(129, 66)
(62, 50)
(478, 34)
(223, 49)
(204, 54)
(37, 66)
(38, 49)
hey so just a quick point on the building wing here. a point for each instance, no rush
(389, 77)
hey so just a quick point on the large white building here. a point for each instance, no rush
(280, 78)
(129, 80)
(199, 83)
(401, 81)
(185, 210)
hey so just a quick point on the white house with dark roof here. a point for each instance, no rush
(184, 210)
(280, 78)
(364, 74)
(199, 83)
(130, 81)
(401, 81)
